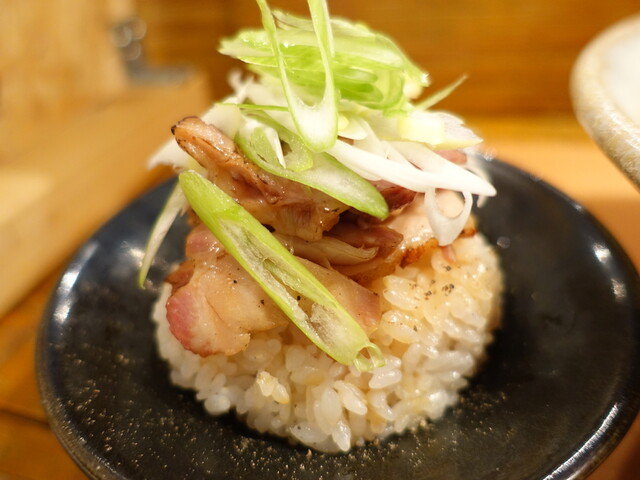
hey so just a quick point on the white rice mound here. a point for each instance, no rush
(438, 318)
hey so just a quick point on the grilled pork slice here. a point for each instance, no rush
(364, 249)
(287, 206)
(215, 305)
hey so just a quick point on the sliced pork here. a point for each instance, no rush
(287, 206)
(215, 305)
(364, 249)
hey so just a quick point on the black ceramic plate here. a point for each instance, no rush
(558, 392)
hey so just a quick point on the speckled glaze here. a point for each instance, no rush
(601, 110)
(557, 393)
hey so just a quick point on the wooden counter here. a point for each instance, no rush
(553, 148)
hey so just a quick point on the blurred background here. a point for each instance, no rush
(57, 58)
(518, 55)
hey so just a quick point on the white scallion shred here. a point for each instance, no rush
(175, 203)
(325, 112)
(446, 228)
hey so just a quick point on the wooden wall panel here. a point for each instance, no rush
(518, 54)
(75, 132)
(56, 59)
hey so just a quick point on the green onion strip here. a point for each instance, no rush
(279, 273)
(324, 114)
(321, 171)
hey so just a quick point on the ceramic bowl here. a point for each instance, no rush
(557, 393)
(605, 89)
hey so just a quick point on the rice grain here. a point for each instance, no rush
(437, 321)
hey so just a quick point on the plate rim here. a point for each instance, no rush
(578, 466)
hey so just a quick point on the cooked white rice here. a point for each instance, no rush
(436, 324)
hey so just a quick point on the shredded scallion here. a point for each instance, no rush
(281, 275)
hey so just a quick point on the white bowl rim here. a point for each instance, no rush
(609, 126)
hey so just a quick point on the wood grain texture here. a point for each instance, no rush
(23, 426)
(23, 441)
(54, 197)
(518, 55)
(56, 59)
(74, 132)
